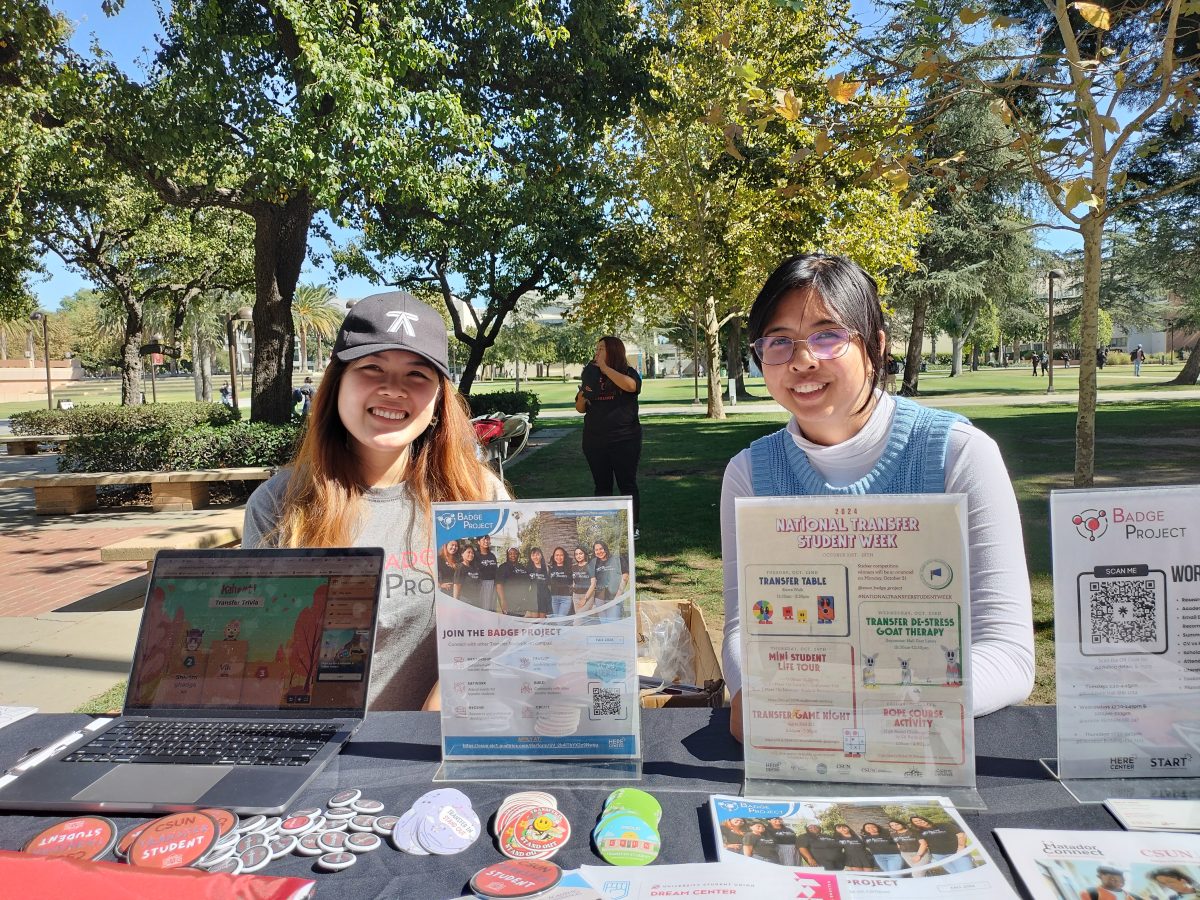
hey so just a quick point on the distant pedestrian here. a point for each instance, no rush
(226, 396)
(1101, 357)
(1045, 362)
(303, 396)
(1139, 357)
(1033, 357)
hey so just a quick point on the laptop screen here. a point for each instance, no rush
(257, 630)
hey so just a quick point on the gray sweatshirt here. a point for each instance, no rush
(404, 667)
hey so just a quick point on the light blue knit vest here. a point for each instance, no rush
(914, 461)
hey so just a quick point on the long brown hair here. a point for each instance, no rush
(614, 352)
(322, 505)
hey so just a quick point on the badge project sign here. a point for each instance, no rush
(855, 629)
(536, 630)
(1127, 631)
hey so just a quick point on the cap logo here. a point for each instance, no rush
(402, 320)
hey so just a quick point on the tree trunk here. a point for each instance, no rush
(476, 350)
(1191, 368)
(131, 355)
(280, 241)
(1092, 230)
(712, 359)
(956, 344)
(975, 357)
(206, 367)
(303, 350)
(3, 345)
(197, 375)
(912, 357)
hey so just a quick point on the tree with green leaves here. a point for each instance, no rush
(519, 213)
(281, 111)
(748, 152)
(315, 317)
(1078, 82)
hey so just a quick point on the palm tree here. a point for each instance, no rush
(313, 315)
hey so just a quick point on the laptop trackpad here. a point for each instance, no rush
(150, 783)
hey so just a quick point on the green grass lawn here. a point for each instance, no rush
(554, 393)
(683, 459)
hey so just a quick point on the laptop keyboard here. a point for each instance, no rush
(207, 743)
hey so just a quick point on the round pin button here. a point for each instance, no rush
(344, 798)
(362, 823)
(254, 823)
(384, 824)
(362, 842)
(635, 801)
(282, 846)
(332, 841)
(296, 825)
(254, 839)
(367, 807)
(310, 845)
(127, 839)
(515, 878)
(87, 837)
(226, 820)
(335, 862)
(624, 839)
(255, 858)
(174, 841)
(230, 865)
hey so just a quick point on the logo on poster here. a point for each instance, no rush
(1091, 523)
(763, 612)
(810, 886)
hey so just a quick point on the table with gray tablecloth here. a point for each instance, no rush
(688, 755)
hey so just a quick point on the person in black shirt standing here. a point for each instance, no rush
(759, 843)
(466, 577)
(539, 580)
(485, 559)
(785, 840)
(513, 586)
(560, 583)
(944, 840)
(882, 847)
(913, 849)
(825, 849)
(857, 858)
(583, 587)
(612, 433)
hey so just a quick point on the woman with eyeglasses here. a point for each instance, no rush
(818, 332)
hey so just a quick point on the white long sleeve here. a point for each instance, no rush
(1001, 603)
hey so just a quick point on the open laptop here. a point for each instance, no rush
(250, 671)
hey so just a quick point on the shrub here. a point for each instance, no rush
(507, 402)
(201, 447)
(1117, 358)
(105, 418)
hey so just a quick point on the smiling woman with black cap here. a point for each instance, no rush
(388, 434)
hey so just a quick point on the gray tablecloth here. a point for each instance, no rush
(688, 755)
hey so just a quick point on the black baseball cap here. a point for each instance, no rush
(395, 320)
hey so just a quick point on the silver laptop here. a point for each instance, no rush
(250, 671)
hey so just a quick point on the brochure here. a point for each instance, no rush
(855, 627)
(537, 637)
(1127, 631)
(1156, 815)
(1086, 864)
(913, 847)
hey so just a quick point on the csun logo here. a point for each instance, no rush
(1091, 523)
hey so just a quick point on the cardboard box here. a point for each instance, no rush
(707, 672)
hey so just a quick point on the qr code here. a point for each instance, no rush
(605, 703)
(1123, 615)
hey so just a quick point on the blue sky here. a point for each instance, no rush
(126, 36)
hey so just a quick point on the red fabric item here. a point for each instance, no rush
(487, 430)
(49, 878)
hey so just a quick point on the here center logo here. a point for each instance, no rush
(1091, 523)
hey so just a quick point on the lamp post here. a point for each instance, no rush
(243, 314)
(1050, 276)
(44, 318)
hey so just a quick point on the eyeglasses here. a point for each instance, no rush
(777, 350)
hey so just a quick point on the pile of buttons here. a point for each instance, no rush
(627, 833)
(441, 822)
(529, 825)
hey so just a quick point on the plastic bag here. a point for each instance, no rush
(669, 643)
